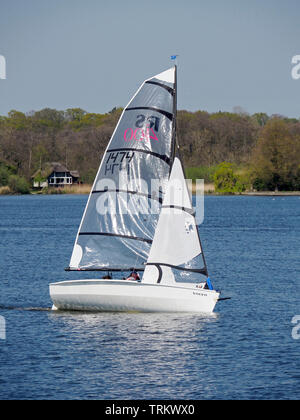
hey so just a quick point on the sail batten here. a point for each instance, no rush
(185, 209)
(136, 238)
(168, 88)
(165, 158)
(167, 114)
(160, 200)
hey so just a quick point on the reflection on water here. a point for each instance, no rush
(22, 308)
(151, 350)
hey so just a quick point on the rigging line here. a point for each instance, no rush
(128, 192)
(136, 238)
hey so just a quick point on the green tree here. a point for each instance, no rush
(260, 118)
(48, 117)
(17, 120)
(18, 185)
(226, 181)
(74, 114)
(4, 176)
(276, 157)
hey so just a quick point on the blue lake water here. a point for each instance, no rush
(244, 351)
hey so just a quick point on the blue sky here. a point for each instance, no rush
(94, 54)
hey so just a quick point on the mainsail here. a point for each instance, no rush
(121, 215)
(176, 245)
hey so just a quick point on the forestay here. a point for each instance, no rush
(121, 215)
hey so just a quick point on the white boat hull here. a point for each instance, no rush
(125, 296)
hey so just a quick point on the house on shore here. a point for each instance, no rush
(54, 174)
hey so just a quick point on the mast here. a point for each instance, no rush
(176, 151)
(174, 128)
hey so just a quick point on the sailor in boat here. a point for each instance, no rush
(134, 276)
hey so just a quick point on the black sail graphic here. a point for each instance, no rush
(121, 215)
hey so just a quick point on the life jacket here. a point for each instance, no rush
(134, 276)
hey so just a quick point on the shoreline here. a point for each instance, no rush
(273, 193)
(208, 191)
(258, 194)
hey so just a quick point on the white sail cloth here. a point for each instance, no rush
(140, 151)
(176, 240)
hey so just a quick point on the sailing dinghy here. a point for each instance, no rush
(139, 216)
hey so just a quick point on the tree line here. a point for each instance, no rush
(263, 151)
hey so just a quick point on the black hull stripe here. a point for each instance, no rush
(149, 241)
(128, 192)
(160, 273)
(152, 108)
(168, 88)
(106, 269)
(165, 158)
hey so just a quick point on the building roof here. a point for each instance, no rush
(75, 174)
(58, 167)
(50, 167)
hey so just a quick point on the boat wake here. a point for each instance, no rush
(21, 308)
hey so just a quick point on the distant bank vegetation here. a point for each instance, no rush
(235, 151)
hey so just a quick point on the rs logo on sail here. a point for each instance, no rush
(145, 131)
(152, 122)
